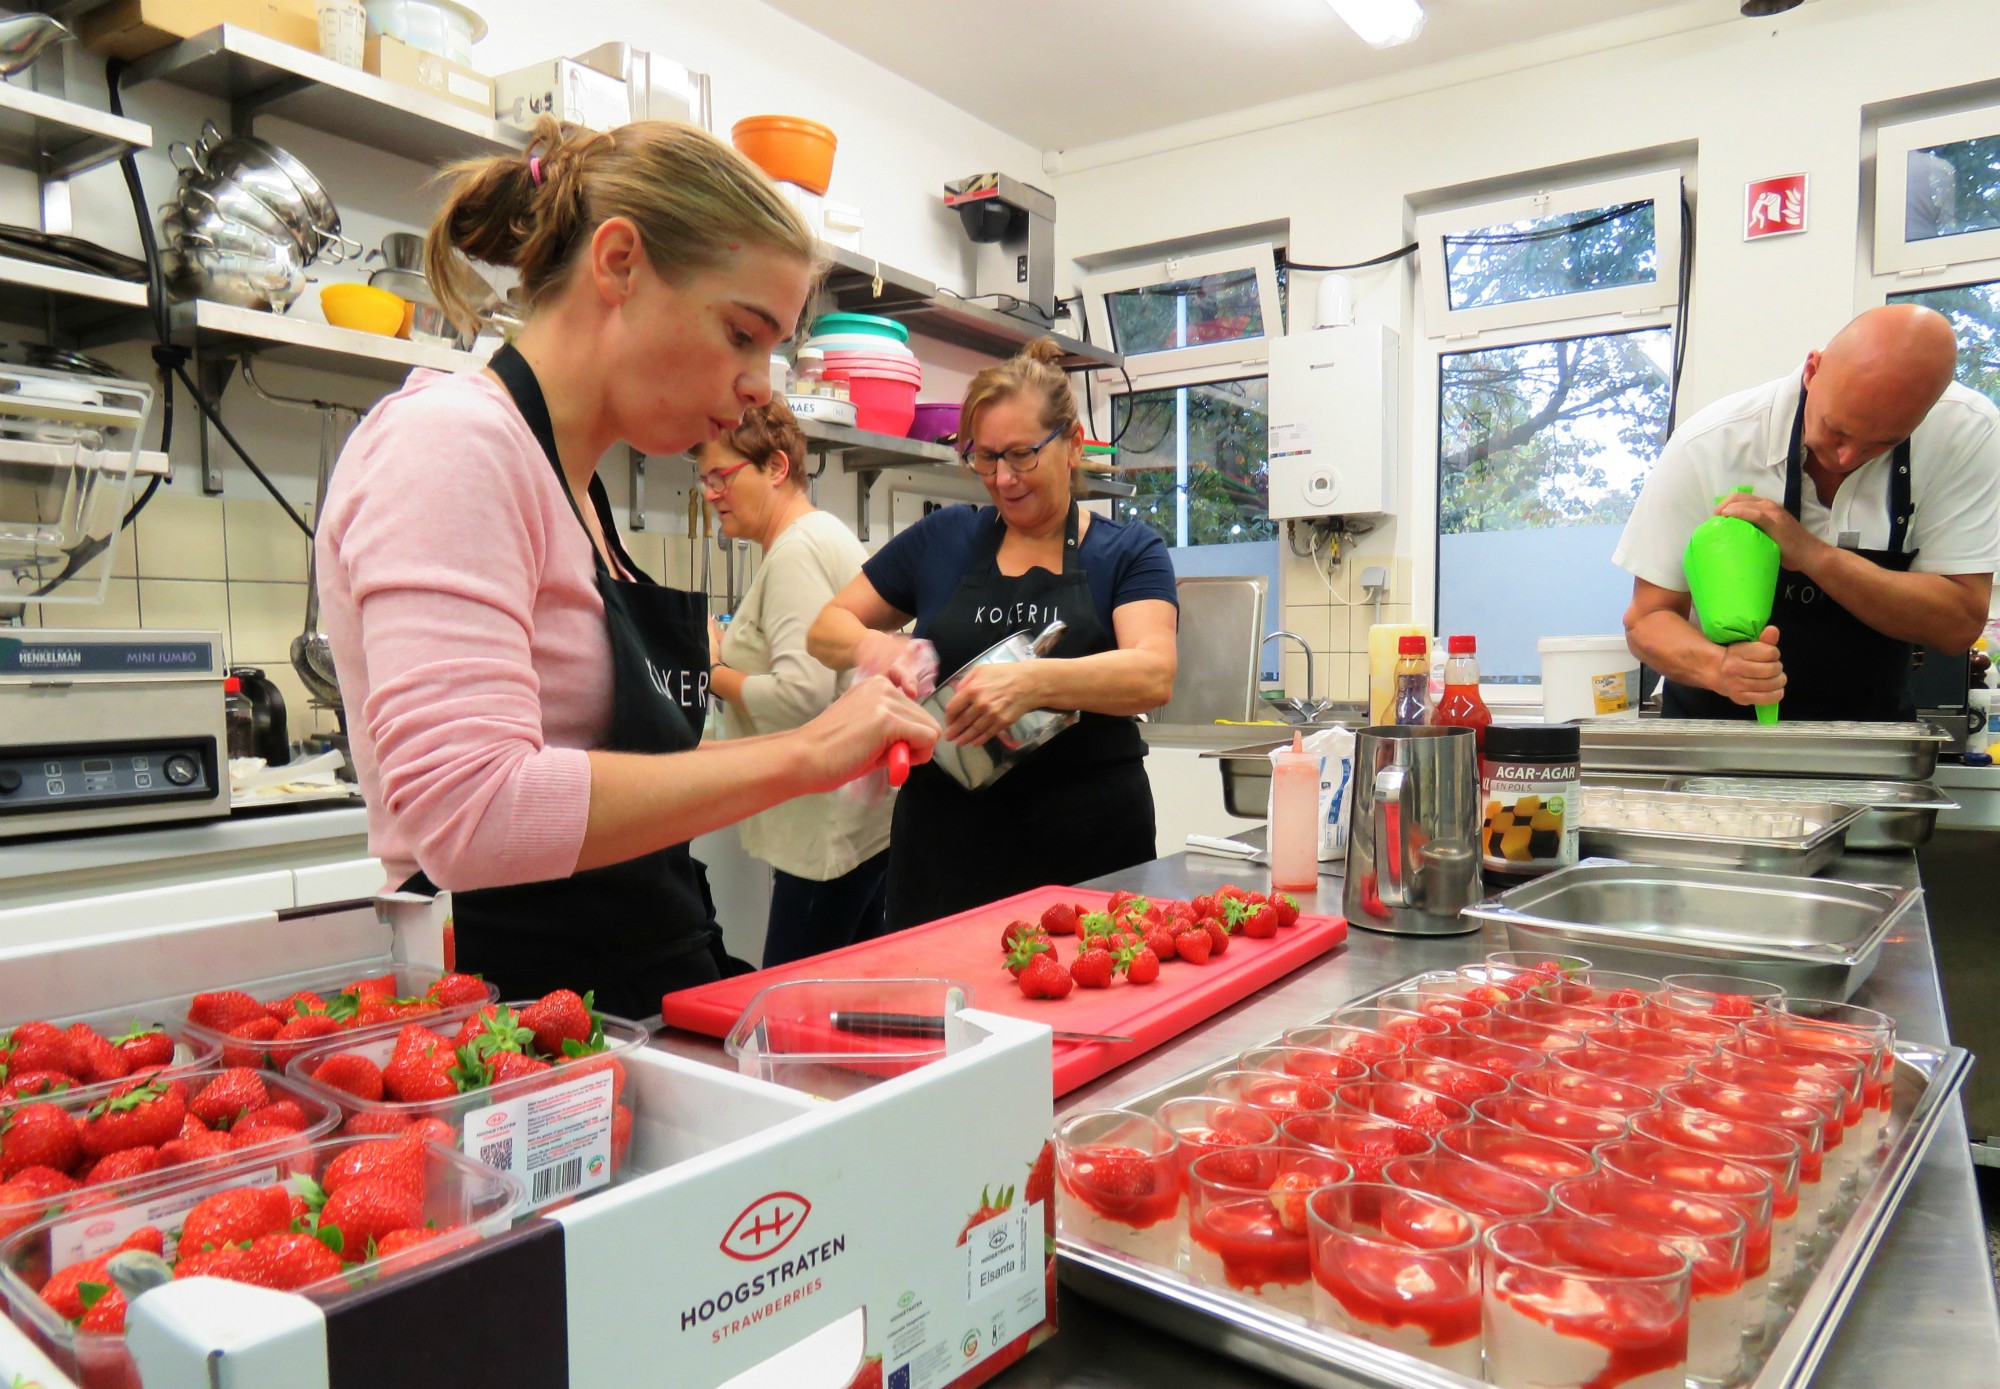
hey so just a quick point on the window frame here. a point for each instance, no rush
(1215, 358)
(1937, 260)
(1657, 298)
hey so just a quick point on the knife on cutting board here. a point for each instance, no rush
(923, 1025)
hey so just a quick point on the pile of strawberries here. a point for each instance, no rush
(295, 1022)
(495, 1045)
(38, 1059)
(148, 1124)
(367, 1204)
(1135, 935)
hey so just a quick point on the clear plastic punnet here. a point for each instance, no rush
(837, 1037)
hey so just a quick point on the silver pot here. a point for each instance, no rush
(979, 765)
(402, 251)
(269, 282)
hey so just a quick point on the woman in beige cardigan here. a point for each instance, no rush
(829, 853)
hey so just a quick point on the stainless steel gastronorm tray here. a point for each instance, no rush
(1893, 751)
(1897, 814)
(1300, 1352)
(1815, 938)
(1814, 838)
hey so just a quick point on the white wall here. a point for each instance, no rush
(1754, 98)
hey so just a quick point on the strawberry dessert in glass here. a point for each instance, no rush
(1426, 1111)
(1537, 972)
(1577, 1125)
(1595, 1059)
(1247, 1221)
(1710, 1233)
(1205, 1124)
(1862, 1031)
(1842, 1160)
(1487, 1194)
(1503, 1060)
(1773, 1153)
(1711, 1177)
(1502, 1026)
(1452, 1079)
(1564, 1017)
(1398, 1268)
(1279, 1095)
(1690, 1024)
(1800, 1119)
(1524, 1154)
(1725, 996)
(1444, 1005)
(1622, 1097)
(1365, 1142)
(1577, 1303)
(1346, 1039)
(1399, 1024)
(1119, 1183)
(1605, 988)
(1308, 1063)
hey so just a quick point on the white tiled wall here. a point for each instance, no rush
(1334, 621)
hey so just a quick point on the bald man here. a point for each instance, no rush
(1879, 477)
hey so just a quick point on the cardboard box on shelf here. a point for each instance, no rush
(133, 28)
(565, 89)
(395, 61)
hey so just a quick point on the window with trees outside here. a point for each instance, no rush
(1974, 311)
(1549, 422)
(1950, 207)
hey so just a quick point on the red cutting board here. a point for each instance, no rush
(966, 948)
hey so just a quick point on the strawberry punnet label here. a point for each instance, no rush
(103, 1227)
(557, 1140)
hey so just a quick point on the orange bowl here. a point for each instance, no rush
(789, 148)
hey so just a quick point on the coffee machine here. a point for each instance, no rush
(1013, 228)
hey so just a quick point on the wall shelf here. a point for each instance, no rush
(59, 138)
(74, 300)
(220, 330)
(258, 75)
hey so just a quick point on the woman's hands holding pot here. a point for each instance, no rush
(909, 663)
(989, 698)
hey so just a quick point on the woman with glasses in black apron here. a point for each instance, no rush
(1888, 530)
(525, 704)
(1081, 805)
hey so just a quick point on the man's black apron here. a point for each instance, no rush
(1079, 808)
(630, 931)
(1836, 665)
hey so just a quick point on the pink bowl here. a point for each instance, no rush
(848, 361)
(845, 372)
(882, 405)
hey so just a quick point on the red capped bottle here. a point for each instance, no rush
(1460, 706)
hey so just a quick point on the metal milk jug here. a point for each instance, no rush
(1413, 848)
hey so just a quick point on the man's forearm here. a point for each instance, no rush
(1675, 647)
(1928, 609)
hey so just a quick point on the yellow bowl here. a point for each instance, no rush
(363, 308)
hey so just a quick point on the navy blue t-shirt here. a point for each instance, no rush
(920, 568)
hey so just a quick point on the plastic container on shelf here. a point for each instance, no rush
(1588, 678)
(410, 981)
(190, 1052)
(789, 148)
(935, 420)
(835, 1037)
(883, 404)
(502, 1124)
(320, 1119)
(475, 1200)
(873, 325)
(874, 364)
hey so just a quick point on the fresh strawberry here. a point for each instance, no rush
(287, 1261)
(38, 1183)
(191, 1127)
(1045, 978)
(397, 1241)
(1017, 930)
(1287, 908)
(1061, 919)
(280, 1116)
(307, 1026)
(176, 1151)
(989, 1206)
(235, 1216)
(1093, 969)
(1023, 951)
(561, 1017)
(101, 1061)
(137, 1114)
(39, 1135)
(353, 1073)
(225, 1261)
(507, 1065)
(1160, 940)
(31, 1085)
(299, 1004)
(1288, 1198)
(146, 1046)
(1123, 1172)
(66, 1290)
(596, 1061)
(1095, 945)
(1204, 905)
(423, 1076)
(104, 1311)
(1218, 935)
(1139, 965)
(369, 1208)
(454, 990)
(41, 1046)
(1092, 924)
(1194, 946)
(366, 1123)
(1488, 995)
(126, 1162)
(381, 986)
(229, 1097)
(1735, 1007)
(869, 1376)
(621, 1135)
(400, 1162)
(1624, 998)
(257, 1029)
(1122, 899)
(1260, 922)
(221, 1011)
(1229, 890)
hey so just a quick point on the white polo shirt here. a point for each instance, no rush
(1742, 440)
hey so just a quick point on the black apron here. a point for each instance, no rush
(1836, 665)
(1079, 808)
(627, 932)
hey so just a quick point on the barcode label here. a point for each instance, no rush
(555, 1181)
(557, 1140)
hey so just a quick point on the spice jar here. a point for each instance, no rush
(1529, 778)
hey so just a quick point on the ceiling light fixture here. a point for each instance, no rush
(1381, 23)
(1759, 9)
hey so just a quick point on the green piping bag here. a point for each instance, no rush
(1732, 574)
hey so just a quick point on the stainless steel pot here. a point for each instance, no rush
(251, 282)
(979, 765)
(1413, 850)
(228, 201)
(402, 251)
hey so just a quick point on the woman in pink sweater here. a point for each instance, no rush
(524, 704)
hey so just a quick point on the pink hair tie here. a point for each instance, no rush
(535, 170)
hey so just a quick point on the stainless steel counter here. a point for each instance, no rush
(1925, 1313)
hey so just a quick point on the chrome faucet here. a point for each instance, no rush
(1302, 707)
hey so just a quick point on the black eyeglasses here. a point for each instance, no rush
(986, 462)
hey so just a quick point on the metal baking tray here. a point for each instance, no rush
(1897, 814)
(1800, 837)
(1815, 938)
(1300, 1352)
(1891, 751)
(1246, 778)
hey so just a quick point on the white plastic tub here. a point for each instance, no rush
(1588, 678)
